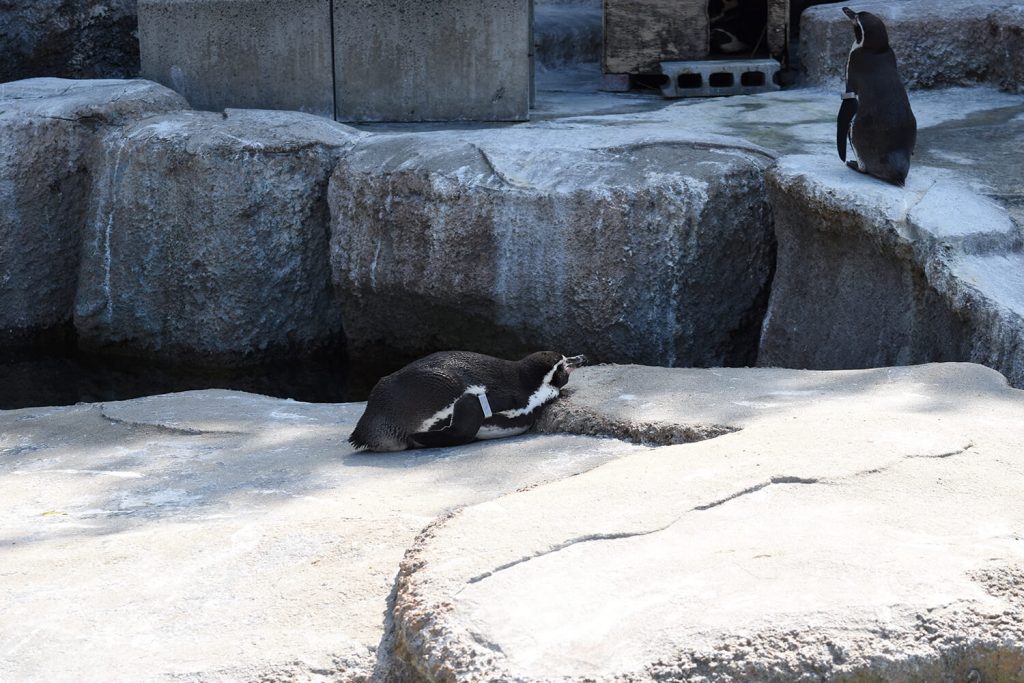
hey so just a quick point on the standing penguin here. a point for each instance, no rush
(453, 397)
(875, 115)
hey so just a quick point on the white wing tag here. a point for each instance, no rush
(485, 405)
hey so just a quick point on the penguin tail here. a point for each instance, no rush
(374, 435)
(358, 441)
(898, 165)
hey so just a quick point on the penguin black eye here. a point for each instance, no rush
(858, 33)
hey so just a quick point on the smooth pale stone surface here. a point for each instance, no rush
(858, 523)
(219, 535)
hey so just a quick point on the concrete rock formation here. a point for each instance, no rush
(49, 153)
(510, 240)
(938, 43)
(858, 525)
(869, 275)
(68, 39)
(207, 238)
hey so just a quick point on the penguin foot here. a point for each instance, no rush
(854, 166)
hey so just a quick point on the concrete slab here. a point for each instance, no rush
(407, 60)
(257, 54)
(858, 525)
(222, 536)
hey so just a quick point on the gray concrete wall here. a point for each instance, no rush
(261, 54)
(432, 60)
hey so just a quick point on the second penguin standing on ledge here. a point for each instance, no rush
(875, 115)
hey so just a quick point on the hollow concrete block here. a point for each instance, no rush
(427, 60)
(258, 54)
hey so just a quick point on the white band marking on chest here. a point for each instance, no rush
(485, 405)
(545, 393)
(849, 95)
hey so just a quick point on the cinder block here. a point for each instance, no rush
(432, 60)
(715, 78)
(258, 54)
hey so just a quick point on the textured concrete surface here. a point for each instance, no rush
(207, 238)
(258, 54)
(858, 525)
(609, 244)
(49, 137)
(68, 39)
(222, 536)
(937, 42)
(872, 275)
(407, 60)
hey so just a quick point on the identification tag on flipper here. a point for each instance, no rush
(485, 405)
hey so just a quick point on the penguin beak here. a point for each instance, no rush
(850, 13)
(575, 362)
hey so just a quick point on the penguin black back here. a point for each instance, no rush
(454, 397)
(875, 115)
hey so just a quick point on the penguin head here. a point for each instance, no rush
(549, 367)
(868, 30)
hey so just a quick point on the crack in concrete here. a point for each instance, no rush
(562, 546)
(185, 431)
(634, 534)
(494, 169)
(756, 488)
(780, 479)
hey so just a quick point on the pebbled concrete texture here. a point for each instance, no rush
(207, 238)
(857, 525)
(406, 60)
(938, 43)
(50, 132)
(258, 54)
(218, 535)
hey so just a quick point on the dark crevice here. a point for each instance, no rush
(565, 418)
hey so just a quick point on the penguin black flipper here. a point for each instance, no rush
(467, 416)
(846, 113)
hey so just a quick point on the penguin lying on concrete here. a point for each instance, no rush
(453, 397)
(875, 115)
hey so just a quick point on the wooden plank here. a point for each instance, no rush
(638, 34)
(778, 30)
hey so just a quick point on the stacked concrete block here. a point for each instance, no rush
(389, 60)
(428, 60)
(712, 78)
(259, 54)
